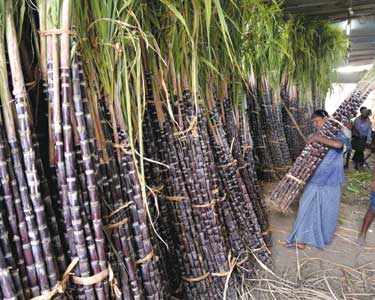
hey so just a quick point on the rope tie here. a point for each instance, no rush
(120, 209)
(247, 147)
(57, 31)
(299, 181)
(155, 190)
(243, 166)
(60, 286)
(117, 224)
(145, 259)
(206, 205)
(233, 162)
(196, 279)
(175, 198)
(282, 168)
(113, 283)
(231, 265)
(192, 127)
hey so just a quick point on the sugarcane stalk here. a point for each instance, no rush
(88, 166)
(63, 117)
(8, 289)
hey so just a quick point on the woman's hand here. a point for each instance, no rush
(313, 139)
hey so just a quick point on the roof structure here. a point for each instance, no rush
(357, 17)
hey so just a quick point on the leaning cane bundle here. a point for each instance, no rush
(263, 164)
(269, 121)
(237, 201)
(238, 136)
(307, 162)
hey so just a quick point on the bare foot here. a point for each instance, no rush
(361, 240)
(300, 246)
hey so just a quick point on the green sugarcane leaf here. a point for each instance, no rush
(352, 189)
(177, 14)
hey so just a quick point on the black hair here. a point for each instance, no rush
(362, 108)
(319, 113)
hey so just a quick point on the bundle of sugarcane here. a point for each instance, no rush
(82, 210)
(293, 183)
(135, 259)
(293, 121)
(191, 205)
(238, 136)
(116, 193)
(269, 123)
(160, 208)
(34, 240)
(281, 134)
(237, 200)
(126, 219)
(264, 164)
(249, 175)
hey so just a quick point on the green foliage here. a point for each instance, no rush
(358, 182)
(317, 48)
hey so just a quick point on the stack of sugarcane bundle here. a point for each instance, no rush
(79, 193)
(135, 255)
(188, 206)
(90, 183)
(304, 111)
(263, 164)
(281, 134)
(162, 211)
(193, 194)
(293, 183)
(237, 198)
(238, 136)
(249, 175)
(296, 116)
(267, 119)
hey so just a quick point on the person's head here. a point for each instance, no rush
(319, 117)
(363, 111)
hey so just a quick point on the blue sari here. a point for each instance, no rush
(320, 202)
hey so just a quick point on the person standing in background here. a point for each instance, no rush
(347, 131)
(361, 137)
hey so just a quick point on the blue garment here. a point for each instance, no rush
(331, 171)
(317, 216)
(372, 202)
(348, 145)
(320, 202)
(363, 128)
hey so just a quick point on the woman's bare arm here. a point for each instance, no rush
(333, 143)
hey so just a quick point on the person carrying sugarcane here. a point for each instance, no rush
(370, 213)
(319, 205)
(361, 137)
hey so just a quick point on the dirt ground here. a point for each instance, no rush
(343, 253)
